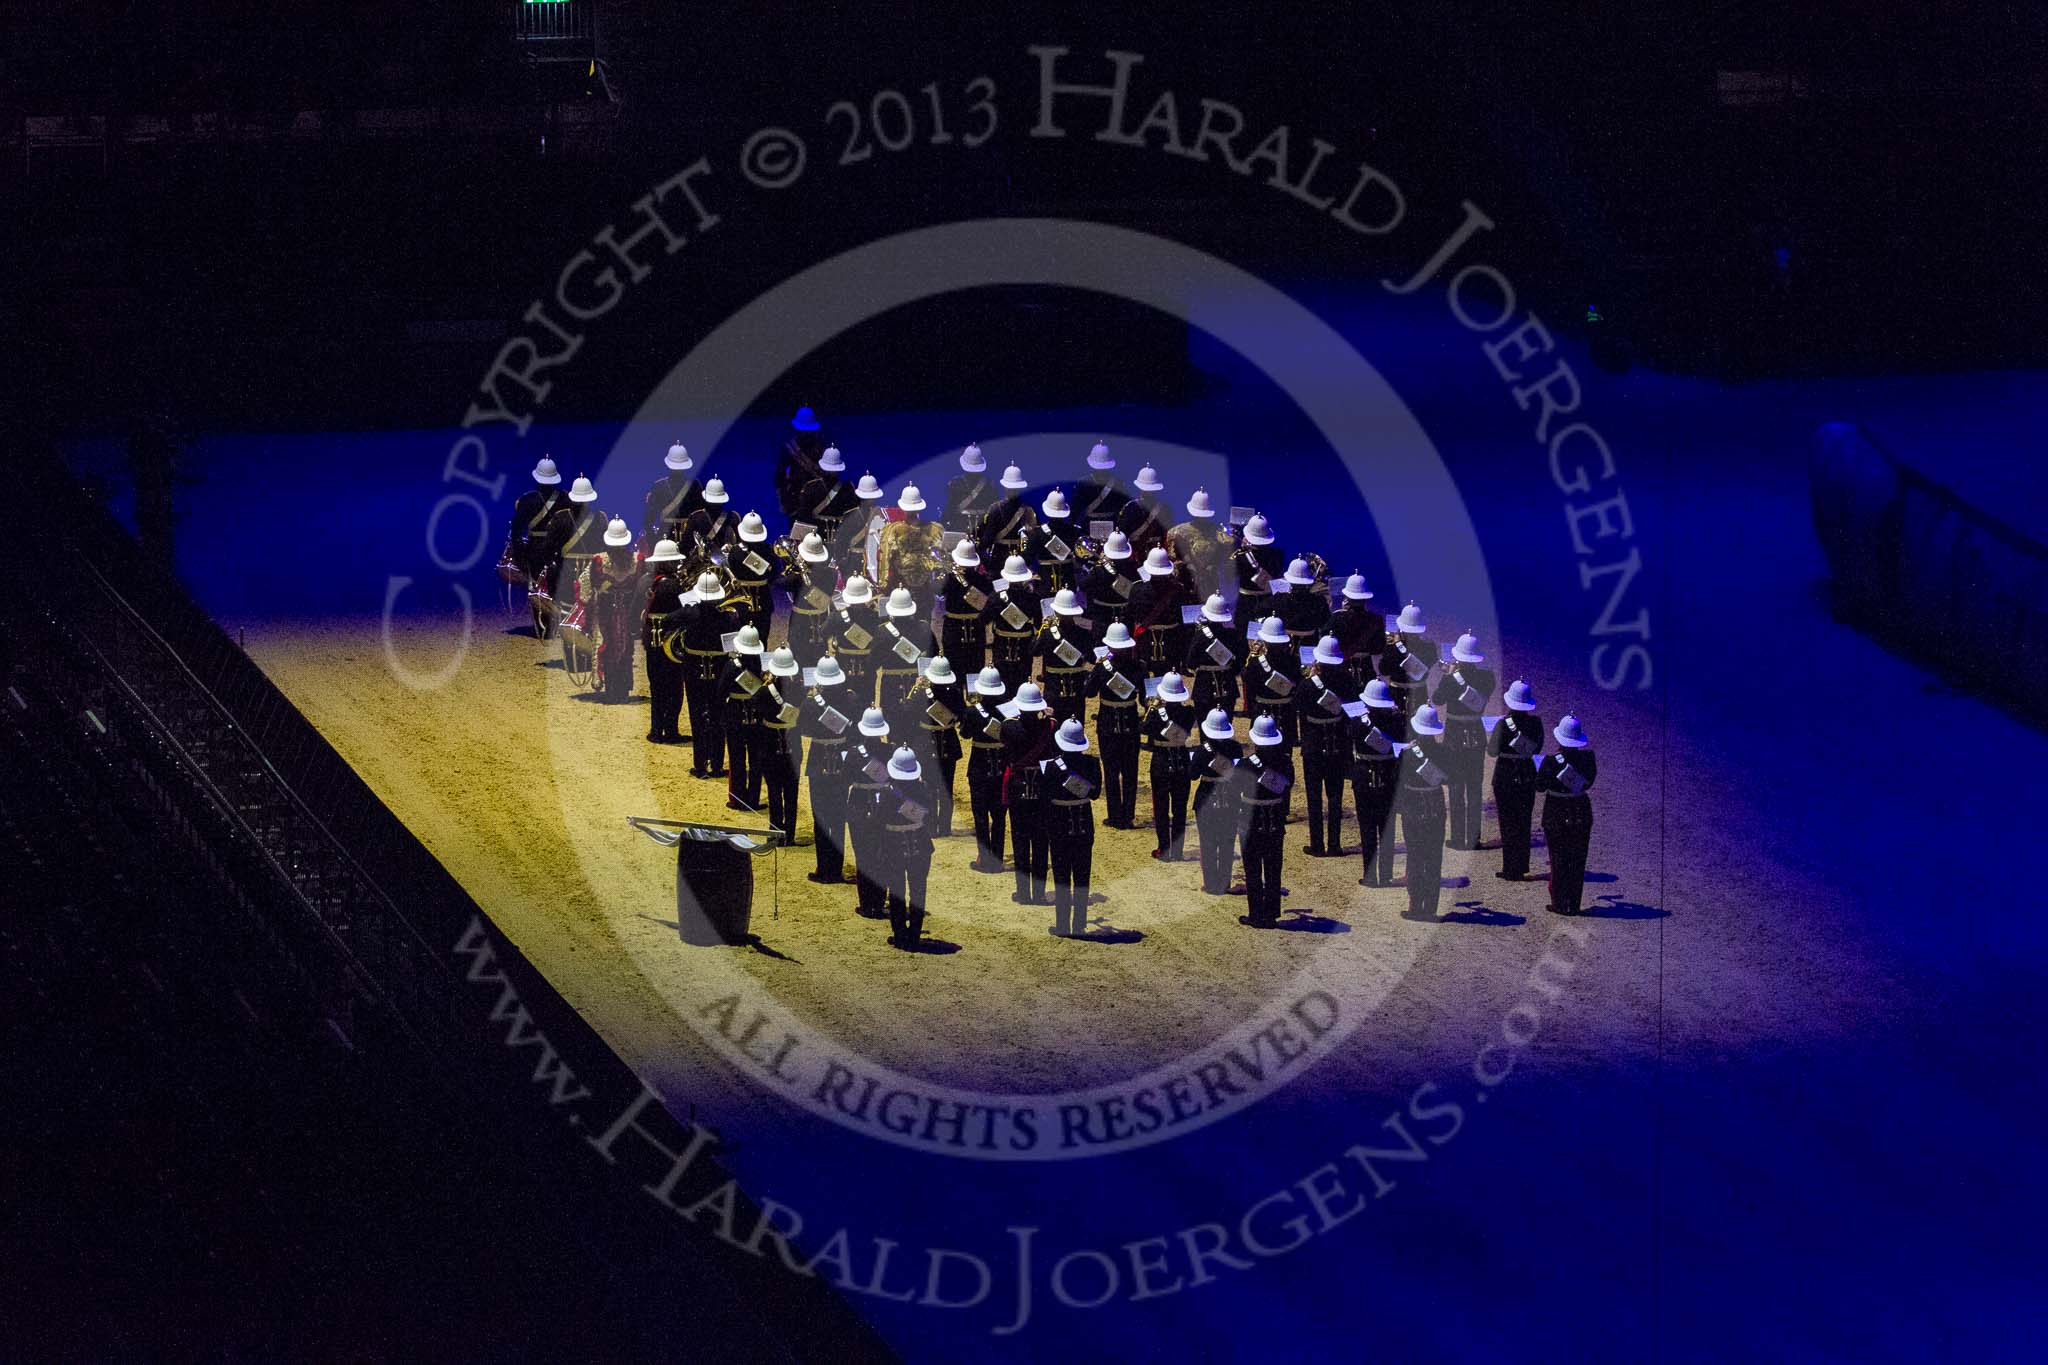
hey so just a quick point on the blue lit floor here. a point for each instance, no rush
(1795, 1114)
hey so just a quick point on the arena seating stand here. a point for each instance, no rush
(257, 1111)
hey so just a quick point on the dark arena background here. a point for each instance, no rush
(376, 990)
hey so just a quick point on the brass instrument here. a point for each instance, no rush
(1319, 570)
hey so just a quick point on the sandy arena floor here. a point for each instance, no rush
(522, 790)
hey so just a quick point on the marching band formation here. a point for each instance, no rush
(1051, 645)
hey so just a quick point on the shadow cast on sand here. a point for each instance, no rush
(1478, 912)
(937, 947)
(1614, 907)
(754, 941)
(1309, 922)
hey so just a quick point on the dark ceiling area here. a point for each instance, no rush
(209, 204)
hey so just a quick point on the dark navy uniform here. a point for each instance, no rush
(1212, 672)
(780, 750)
(981, 729)
(1257, 569)
(964, 598)
(927, 718)
(1099, 496)
(1049, 548)
(810, 588)
(1461, 695)
(1375, 782)
(968, 498)
(753, 568)
(1072, 782)
(664, 674)
(1516, 745)
(739, 681)
(1405, 665)
(829, 731)
(1566, 781)
(904, 841)
(1169, 726)
(900, 641)
(1215, 770)
(1305, 612)
(1004, 528)
(533, 544)
(1013, 629)
(1361, 632)
(1155, 619)
(1325, 751)
(1145, 521)
(703, 626)
(1065, 650)
(1108, 587)
(1265, 777)
(1420, 800)
(1117, 714)
(825, 502)
(852, 632)
(1027, 742)
(669, 503)
(1272, 676)
(867, 785)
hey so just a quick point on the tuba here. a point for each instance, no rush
(1318, 569)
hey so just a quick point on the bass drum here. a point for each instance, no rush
(579, 651)
(714, 892)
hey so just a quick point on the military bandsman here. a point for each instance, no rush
(1052, 543)
(1146, 519)
(1517, 748)
(672, 498)
(1215, 771)
(779, 753)
(902, 642)
(1215, 657)
(1155, 614)
(827, 728)
(1065, 650)
(1461, 695)
(1008, 523)
(1327, 688)
(1375, 777)
(1200, 547)
(1170, 737)
(867, 786)
(981, 727)
(1257, 564)
(1361, 631)
(1566, 781)
(964, 598)
(852, 628)
(904, 843)
(1027, 746)
(969, 495)
(1266, 775)
(1073, 779)
(1117, 684)
(1420, 801)
(664, 672)
(1014, 621)
(739, 681)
